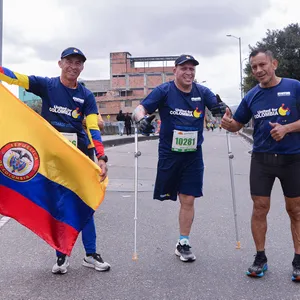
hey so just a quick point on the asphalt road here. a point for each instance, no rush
(218, 272)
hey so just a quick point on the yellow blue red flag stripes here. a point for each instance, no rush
(46, 183)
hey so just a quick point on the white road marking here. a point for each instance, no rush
(3, 221)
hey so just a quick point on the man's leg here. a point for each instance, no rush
(293, 210)
(261, 207)
(92, 258)
(186, 217)
(186, 214)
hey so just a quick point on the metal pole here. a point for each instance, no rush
(241, 68)
(231, 156)
(136, 156)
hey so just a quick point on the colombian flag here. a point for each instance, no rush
(46, 183)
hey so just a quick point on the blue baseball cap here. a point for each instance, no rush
(183, 58)
(72, 51)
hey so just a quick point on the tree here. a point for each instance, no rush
(36, 106)
(285, 45)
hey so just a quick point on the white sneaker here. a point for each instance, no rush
(96, 262)
(183, 251)
(61, 266)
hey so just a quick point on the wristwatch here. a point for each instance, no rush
(103, 157)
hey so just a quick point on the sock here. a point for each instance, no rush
(296, 257)
(261, 253)
(184, 239)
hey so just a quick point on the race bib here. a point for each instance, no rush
(72, 137)
(184, 141)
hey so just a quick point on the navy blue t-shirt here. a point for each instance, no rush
(278, 104)
(179, 110)
(64, 108)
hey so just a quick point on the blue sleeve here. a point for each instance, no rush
(90, 106)
(38, 85)
(154, 99)
(210, 99)
(243, 113)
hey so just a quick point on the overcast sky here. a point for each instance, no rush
(36, 31)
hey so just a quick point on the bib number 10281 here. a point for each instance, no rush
(184, 141)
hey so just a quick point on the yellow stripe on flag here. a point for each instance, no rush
(60, 161)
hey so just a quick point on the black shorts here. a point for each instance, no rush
(265, 167)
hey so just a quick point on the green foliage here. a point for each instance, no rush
(285, 45)
(36, 106)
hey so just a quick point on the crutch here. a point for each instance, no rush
(231, 156)
(136, 156)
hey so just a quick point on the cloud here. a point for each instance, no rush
(168, 27)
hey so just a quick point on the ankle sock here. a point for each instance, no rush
(261, 254)
(296, 258)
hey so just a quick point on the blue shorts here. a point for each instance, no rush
(179, 173)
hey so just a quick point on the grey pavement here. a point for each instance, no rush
(218, 272)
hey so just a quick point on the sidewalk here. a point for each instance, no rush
(116, 140)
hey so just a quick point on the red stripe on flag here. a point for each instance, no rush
(57, 234)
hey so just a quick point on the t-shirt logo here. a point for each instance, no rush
(65, 111)
(196, 99)
(282, 94)
(197, 113)
(187, 113)
(284, 111)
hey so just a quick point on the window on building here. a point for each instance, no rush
(125, 93)
(118, 76)
(102, 104)
(128, 103)
(99, 94)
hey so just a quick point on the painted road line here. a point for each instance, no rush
(3, 221)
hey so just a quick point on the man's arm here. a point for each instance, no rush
(279, 131)
(229, 123)
(139, 113)
(94, 134)
(100, 122)
(15, 78)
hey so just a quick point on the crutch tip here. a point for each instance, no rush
(134, 257)
(238, 245)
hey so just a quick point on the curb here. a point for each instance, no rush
(246, 137)
(130, 140)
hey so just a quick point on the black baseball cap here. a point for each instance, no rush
(183, 58)
(72, 51)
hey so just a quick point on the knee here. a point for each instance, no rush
(294, 213)
(260, 208)
(187, 202)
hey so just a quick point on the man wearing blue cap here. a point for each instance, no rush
(181, 104)
(65, 104)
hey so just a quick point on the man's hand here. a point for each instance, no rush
(278, 131)
(227, 119)
(103, 167)
(219, 109)
(145, 126)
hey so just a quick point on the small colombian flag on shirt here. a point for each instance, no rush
(46, 184)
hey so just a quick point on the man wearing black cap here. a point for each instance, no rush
(65, 104)
(181, 104)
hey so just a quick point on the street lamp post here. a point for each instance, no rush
(241, 66)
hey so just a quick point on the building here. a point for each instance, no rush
(27, 97)
(131, 79)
